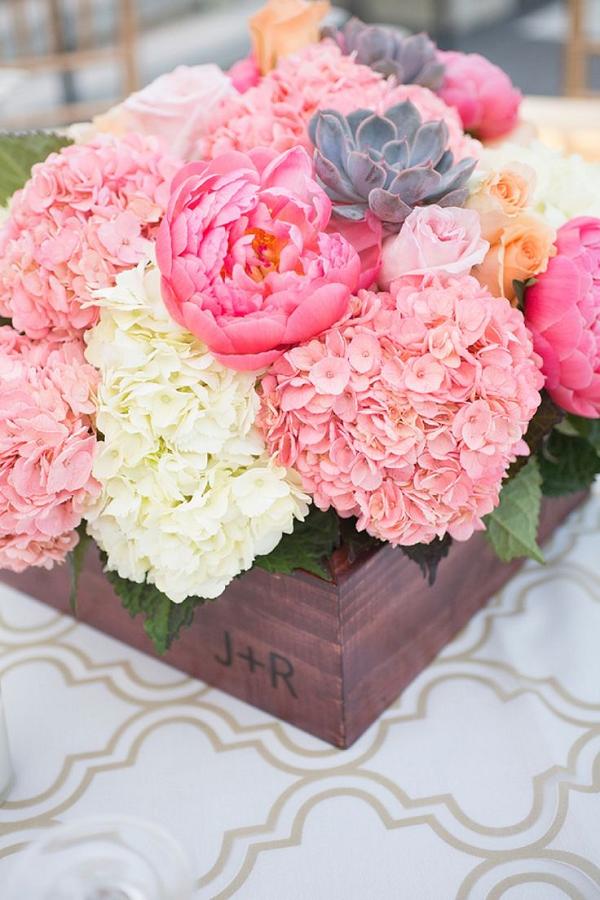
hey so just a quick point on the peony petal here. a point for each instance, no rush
(319, 311)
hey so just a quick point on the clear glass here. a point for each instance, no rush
(6, 769)
(102, 859)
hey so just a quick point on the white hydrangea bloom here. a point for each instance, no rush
(566, 186)
(189, 494)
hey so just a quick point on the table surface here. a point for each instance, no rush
(482, 781)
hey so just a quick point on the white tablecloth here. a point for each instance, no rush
(482, 781)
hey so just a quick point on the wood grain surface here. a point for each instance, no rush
(327, 657)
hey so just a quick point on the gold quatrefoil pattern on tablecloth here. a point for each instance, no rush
(482, 782)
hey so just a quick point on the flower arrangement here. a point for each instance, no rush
(250, 318)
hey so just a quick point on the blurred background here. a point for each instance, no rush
(64, 60)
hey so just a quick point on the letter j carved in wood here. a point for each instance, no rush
(280, 668)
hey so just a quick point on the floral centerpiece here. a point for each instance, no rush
(276, 316)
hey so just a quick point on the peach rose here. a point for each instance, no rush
(524, 247)
(283, 27)
(501, 197)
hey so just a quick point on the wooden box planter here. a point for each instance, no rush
(327, 657)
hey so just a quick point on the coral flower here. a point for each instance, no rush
(563, 312)
(246, 264)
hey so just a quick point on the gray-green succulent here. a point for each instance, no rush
(411, 59)
(387, 163)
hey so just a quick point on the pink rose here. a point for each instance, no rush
(433, 240)
(563, 312)
(485, 97)
(246, 263)
(244, 74)
(176, 107)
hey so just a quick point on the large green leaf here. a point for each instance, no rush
(586, 428)
(512, 526)
(546, 418)
(163, 619)
(308, 547)
(19, 153)
(568, 464)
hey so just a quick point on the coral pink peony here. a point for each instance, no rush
(277, 111)
(433, 240)
(174, 107)
(483, 94)
(46, 448)
(407, 413)
(87, 213)
(246, 264)
(562, 309)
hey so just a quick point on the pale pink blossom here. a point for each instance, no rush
(408, 412)
(86, 213)
(433, 240)
(46, 447)
(174, 107)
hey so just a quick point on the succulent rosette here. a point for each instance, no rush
(388, 164)
(246, 263)
(410, 58)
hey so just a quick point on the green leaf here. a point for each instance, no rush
(567, 464)
(4, 321)
(163, 619)
(546, 418)
(429, 556)
(519, 288)
(586, 428)
(19, 153)
(308, 547)
(512, 526)
(76, 559)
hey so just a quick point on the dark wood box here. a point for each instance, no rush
(327, 657)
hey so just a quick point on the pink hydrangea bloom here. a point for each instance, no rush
(276, 112)
(245, 260)
(408, 412)
(562, 310)
(46, 447)
(86, 213)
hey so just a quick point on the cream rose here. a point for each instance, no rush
(175, 107)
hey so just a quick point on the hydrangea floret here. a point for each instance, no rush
(190, 495)
(408, 413)
(46, 448)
